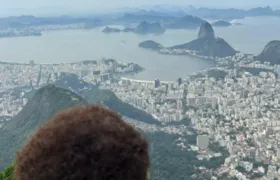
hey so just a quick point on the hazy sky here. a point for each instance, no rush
(9, 6)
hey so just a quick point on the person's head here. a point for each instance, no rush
(84, 143)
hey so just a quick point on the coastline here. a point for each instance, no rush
(136, 67)
(218, 62)
(208, 58)
(15, 36)
(189, 55)
(13, 33)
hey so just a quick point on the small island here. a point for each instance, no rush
(237, 24)
(270, 53)
(221, 23)
(206, 45)
(150, 45)
(111, 30)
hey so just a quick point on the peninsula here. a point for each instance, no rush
(206, 45)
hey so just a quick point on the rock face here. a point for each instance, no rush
(271, 53)
(206, 31)
(44, 104)
(150, 45)
(146, 28)
(221, 23)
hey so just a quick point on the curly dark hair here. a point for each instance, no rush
(84, 143)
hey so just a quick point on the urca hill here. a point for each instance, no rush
(270, 53)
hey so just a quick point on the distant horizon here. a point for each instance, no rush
(58, 11)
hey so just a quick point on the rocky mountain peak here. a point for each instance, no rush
(206, 31)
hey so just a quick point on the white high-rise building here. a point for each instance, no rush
(202, 141)
(278, 153)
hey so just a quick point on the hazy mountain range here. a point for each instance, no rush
(171, 16)
(143, 28)
(230, 13)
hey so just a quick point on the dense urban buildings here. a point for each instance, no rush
(235, 105)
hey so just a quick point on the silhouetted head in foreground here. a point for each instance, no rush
(84, 143)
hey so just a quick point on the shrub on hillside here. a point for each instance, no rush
(7, 173)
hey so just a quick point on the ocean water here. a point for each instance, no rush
(63, 46)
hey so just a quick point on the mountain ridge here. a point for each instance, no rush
(270, 53)
(185, 22)
(43, 105)
(94, 95)
(143, 28)
(68, 91)
(146, 28)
